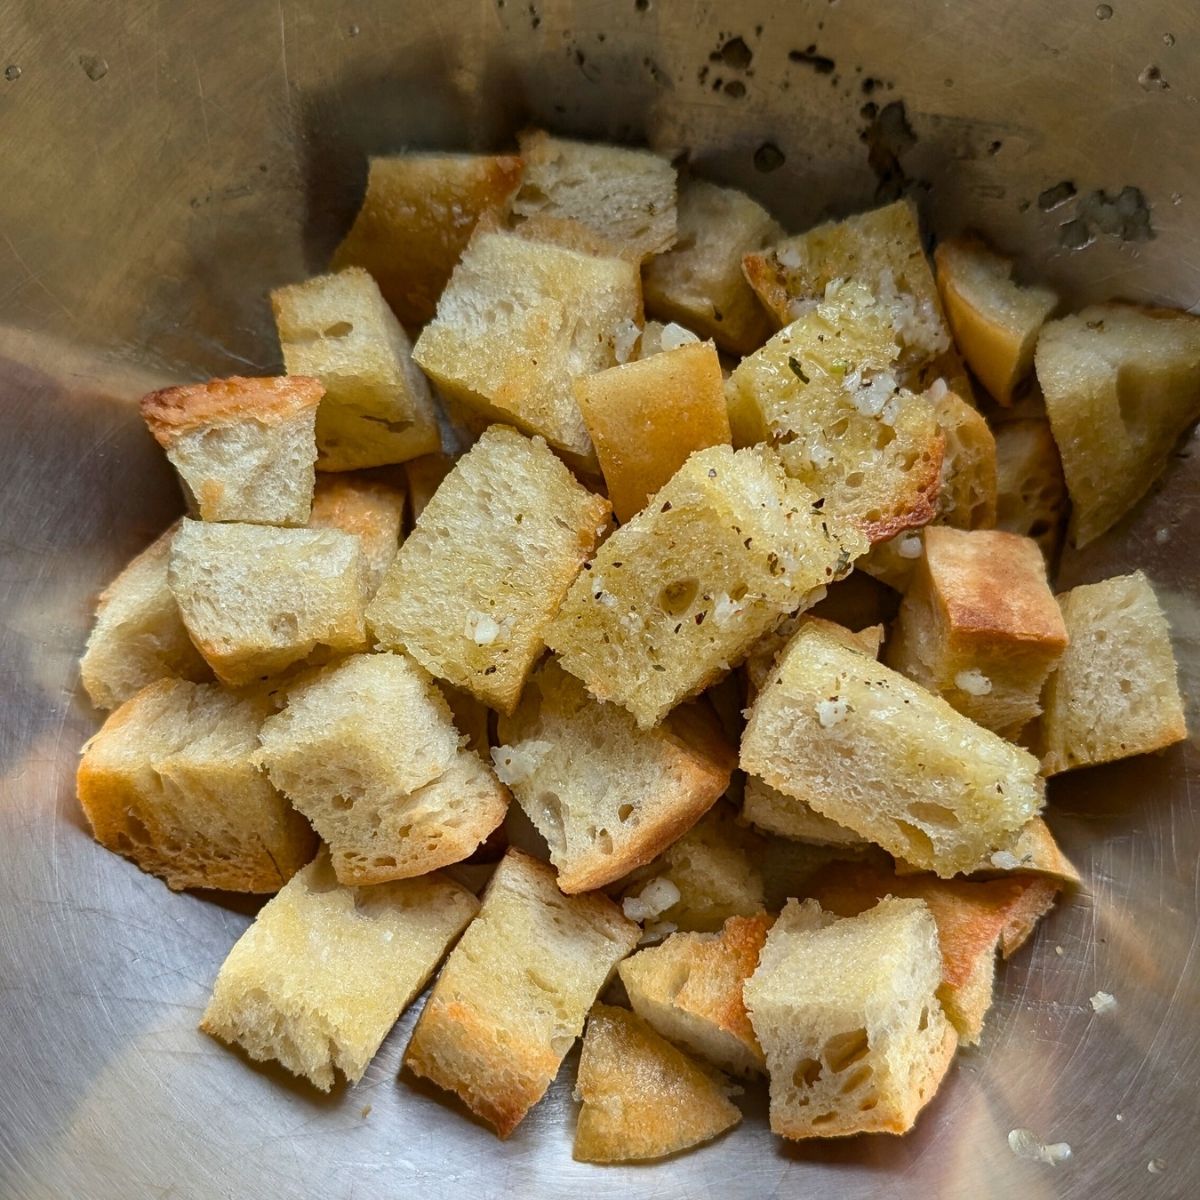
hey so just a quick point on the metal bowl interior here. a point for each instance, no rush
(168, 164)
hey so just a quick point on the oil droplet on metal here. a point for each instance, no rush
(94, 67)
(354, 31)
(1151, 79)
(1104, 12)
(12, 72)
(1168, 39)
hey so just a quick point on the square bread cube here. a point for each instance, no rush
(513, 996)
(256, 600)
(971, 917)
(138, 635)
(847, 1014)
(416, 218)
(1115, 692)
(606, 795)
(710, 874)
(825, 392)
(377, 406)
(243, 448)
(680, 594)
(472, 591)
(368, 505)
(646, 417)
(699, 281)
(882, 249)
(325, 971)
(995, 321)
(774, 812)
(641, 1098)
(625, 196)
(689, 990)
(518, 322)
(1121, 383)
(873, 751)
(979, 626)
(171, 783)
(1031, 494)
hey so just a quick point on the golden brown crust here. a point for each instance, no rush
(921, 502)
(769, 281)
(172, 412)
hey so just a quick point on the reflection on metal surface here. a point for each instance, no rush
(220, 152)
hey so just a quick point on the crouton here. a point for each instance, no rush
(760, 662)
(995, 321)
(171, 783)
(1121, 384)
(370, 507)
(971, 918)
(646, 417)
(325, 971)
(377, 406)
(1031, 494)
(472, 591)
(785, 816)
(979, 626)
(678, 596)
(689, 989)
(1115, 692)
(256, 600)
(513, 995)
(642, 1098)
(606, 795)
(138, 636)
(625, 196)
(967, 499)
(847, 1014)
(517, 323)
(416, 219)
(699, 281)
(870, 749)
(697, 883)
(828, 397)
(243, 448)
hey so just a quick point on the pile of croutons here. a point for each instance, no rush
(746, 606)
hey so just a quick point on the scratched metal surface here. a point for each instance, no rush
(166, 163)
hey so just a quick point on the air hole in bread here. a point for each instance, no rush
(884, 436)
(923, 1023)
(869, 1103)
(339, 329)
(136, 830)
(824, 1118)
(624, 812)
(855, 1079)
(855, 479)
(547, 815)
(383, 860)
(604, 842)
(920, 847)
(342, 803)
(933, 814)
(677, 597)
(807, 1072)
(844, 1049)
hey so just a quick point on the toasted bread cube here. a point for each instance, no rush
(881, 248)
(513, 996)
(847, 1013)
(367, 750)
(760, 662)
(679, 595)
(699, 281)
(627, 197)
(979, 626)
(518, 322)
(607, 796)
(243, 447)
(424, 476)
(416, 219)
(971, 918)
(995, 321)
(325, 971)
(1115, 692)
(256, 600)
(377, 406)
(472, 591)
(367, 505)
(785, 816)
(689, 990)
(870, 749)
(968, 495)
(171, 783)
(827, 396)
(646, 417)
(1031, 494)
(642, 1098)
(138, 636)
(1121, 384)
(709, 875)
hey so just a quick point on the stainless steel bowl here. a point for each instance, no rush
(168, 163)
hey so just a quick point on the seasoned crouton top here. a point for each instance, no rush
(173, 412)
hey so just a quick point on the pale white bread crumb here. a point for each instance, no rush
(652, 901)
(1024, 1144)
(515, 764)
(831, 712)
(973, 682)
(673, 336)
(1103, 1002)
